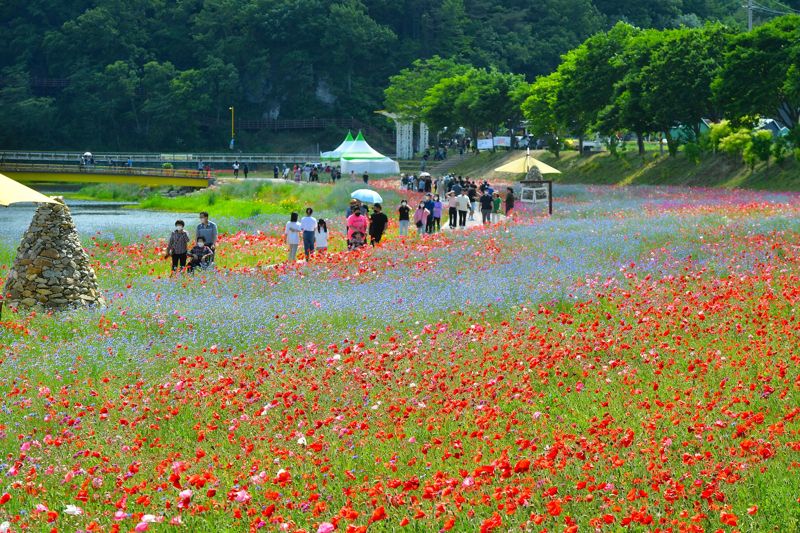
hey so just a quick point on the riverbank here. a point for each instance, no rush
(240, 199)
(653, 169)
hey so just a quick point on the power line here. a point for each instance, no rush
(753, 7)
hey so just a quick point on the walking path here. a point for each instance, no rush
(472, 223)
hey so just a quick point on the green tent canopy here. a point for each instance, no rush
(361, 150)
(337, 152)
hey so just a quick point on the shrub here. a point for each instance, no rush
(779, 149)
(718, 132)
(735, 143)
(693, 151)
(167, 166)
(761, 143)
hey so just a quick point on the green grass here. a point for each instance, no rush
(236, 200)
(115, 192)
(655, 169)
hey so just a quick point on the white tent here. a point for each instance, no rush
(337, 152)
(361, 157)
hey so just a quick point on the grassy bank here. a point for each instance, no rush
(236, 200)
(652, 169)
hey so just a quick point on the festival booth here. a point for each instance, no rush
(534, 188)
(337, 152)
(361, 157)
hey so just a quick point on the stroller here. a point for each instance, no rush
(357, 240)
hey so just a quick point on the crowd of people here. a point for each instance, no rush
(462, 199)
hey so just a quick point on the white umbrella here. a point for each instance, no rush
(424, 175)
(367, 196)
(87, 154)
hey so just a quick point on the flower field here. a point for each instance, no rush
(630, 364)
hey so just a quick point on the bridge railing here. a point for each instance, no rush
(100, 169)
(112, 159)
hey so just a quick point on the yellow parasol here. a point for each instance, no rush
(524, 164)
(12, 192)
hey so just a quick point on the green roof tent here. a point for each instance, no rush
(361, 157)
(359, 149)
(337, 152)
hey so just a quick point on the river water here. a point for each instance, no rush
(111, 219)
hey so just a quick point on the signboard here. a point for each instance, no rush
(485, 144)
(503, 141)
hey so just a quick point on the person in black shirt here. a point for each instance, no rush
(486, 207)
(472, 194)
(377, 224)
(509, 201)
(403, 212)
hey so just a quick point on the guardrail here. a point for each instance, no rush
(100, 169)
(113, 159)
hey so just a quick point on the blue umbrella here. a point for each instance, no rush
(367, 196)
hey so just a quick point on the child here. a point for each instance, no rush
(321, 237)
(199, 255)
(177, 246)
(357, 240)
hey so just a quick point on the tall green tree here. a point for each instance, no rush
(756, 73)
(587, 76)
(628, 108)
(678, 76)
(539, 109)
(407, 89)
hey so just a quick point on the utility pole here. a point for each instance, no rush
(749, 15)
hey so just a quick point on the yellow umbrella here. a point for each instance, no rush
(524, 164)
(12, 192)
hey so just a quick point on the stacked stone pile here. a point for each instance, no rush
(51, 270)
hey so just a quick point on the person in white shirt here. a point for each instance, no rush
(463, 205)
(321, 237)
(292, 236)
(308, 225)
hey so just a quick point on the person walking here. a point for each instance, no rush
(308, 225)
(472, 194)
(377, 224)
(496, 203)
(486, 207)
(365, 177)
(246, 170)
(275, 172)
(509, 201)
(321, 237)
(421, 218)
(429, 203)
(403, 218)
(178, 246)
(235, 169)
(452, 210)
(463, 204)
(437, 214)
(292, 233)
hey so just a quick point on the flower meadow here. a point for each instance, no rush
(629, 364)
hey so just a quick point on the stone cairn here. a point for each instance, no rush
(51, 270)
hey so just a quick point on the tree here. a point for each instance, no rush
(478, 99)
(588, 74)
(406, 91)
(627, 109)
(539, 110)
(677, 79)
(756, 73)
